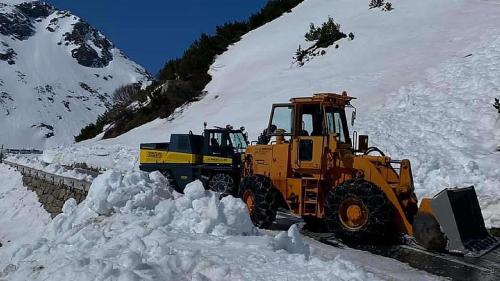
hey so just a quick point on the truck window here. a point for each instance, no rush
(215, 143)
(238, 140)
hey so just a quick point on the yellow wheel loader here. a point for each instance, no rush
(312, 168)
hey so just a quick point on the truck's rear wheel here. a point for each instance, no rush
(221, 183)
(171, 180)
(261, 199)
(358, 211)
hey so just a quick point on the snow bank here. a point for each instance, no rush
(446, 125)
(133, 226)
(292, 242)
(55, 169)
(119, 157)
(18, 204)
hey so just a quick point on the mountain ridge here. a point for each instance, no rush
(57, 74)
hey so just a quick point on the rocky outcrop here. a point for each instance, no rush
(91, 48)
(7, 54)
(58, 69)
(86, 39)
(18, 22)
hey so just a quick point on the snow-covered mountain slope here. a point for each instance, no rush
(57, 74)
(425, 75)
(133, 226)
(390, 50)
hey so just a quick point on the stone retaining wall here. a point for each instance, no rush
(52, 190)
(52, 196)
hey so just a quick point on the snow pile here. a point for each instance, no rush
(133, 226)
(55, 169)
(292, 242)
(198, 211)
(120, 157)
(18, 204)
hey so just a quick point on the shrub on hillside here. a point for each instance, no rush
(496, 105)
(323, 37)
(326, 35)
(376, 4)
(125, 95)
(388, 7)
(91, 130)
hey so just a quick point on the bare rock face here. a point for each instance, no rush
(35, 10)
(91, 48)
(19, 22)
(7, 54)
(83, 36)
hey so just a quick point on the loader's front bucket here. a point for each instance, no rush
(459, 215)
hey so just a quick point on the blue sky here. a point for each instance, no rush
(153, 31)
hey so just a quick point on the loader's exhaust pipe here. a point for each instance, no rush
(459, 216)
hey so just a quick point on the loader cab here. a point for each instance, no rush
(299, 119)
(310, 124)
(309, 119)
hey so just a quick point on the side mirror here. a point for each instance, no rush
(353, 117)
(363, 143)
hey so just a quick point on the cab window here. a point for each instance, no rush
(238, 140)
(336, 124)
(282, 120)
(217, 143)
(311, 120)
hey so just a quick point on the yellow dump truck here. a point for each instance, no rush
(213, 157)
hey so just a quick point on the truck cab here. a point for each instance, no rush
(213, 157)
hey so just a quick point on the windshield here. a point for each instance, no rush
(282, 118)
(337, 124)
(238, 140)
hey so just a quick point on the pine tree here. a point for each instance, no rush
(497, 105)
(300, 55)
(313, 34)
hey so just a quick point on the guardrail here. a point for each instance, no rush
(69, 183)
(20, 151)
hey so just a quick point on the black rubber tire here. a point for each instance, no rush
(171, 180)
(265, 198)
(221, 183)
(428, 234)
(378, 227)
